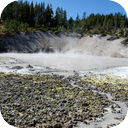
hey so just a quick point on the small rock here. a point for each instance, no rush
(57, 125)
(11, 114)
(17, 67)
(29, 66)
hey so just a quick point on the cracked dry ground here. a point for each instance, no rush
(29, 101)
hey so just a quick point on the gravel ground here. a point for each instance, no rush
(50, 101)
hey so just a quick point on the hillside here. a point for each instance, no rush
(63, 42)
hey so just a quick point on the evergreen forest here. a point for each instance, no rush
(22, 16)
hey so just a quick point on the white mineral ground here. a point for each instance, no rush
(59, 63)
(67, 61)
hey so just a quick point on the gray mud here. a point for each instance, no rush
(68, 61)
(13, 65)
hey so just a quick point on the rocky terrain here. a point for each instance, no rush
(48, 101)
(63, 42)
(52, 101)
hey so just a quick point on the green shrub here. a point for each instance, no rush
(81, 35)
(51, 31)
(56, 32)
(89, 32)
(113, 38)
(5, 30)
(90, 35)
(125, 41)
(122, 35)
(95, 32)
(103, 34)
(110, 33)
(114, 32)
(81, 31)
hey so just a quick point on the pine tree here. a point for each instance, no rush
(70, 23)
(49, 16)
(26, 12)
(8, 11)
(83, 21)
(32, 15)
(36, 12)
(108, 26)
(36, 24)
(39, 13)
(105, 23)
(42, 17)
(20, 16)
(122, 22)
(77, 21)
(84, 16)
(15, 9)
(6, 25)
(99, 27)
(61, 16)
(58, 18)
(65, 19)
(115, 22)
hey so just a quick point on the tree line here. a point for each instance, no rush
(22, 16)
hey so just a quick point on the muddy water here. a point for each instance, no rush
(68, 61)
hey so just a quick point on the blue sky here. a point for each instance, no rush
(79, 6)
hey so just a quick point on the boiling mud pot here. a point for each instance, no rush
(68, 61)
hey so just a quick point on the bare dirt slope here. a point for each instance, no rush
(64, 42)
(97, 45)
